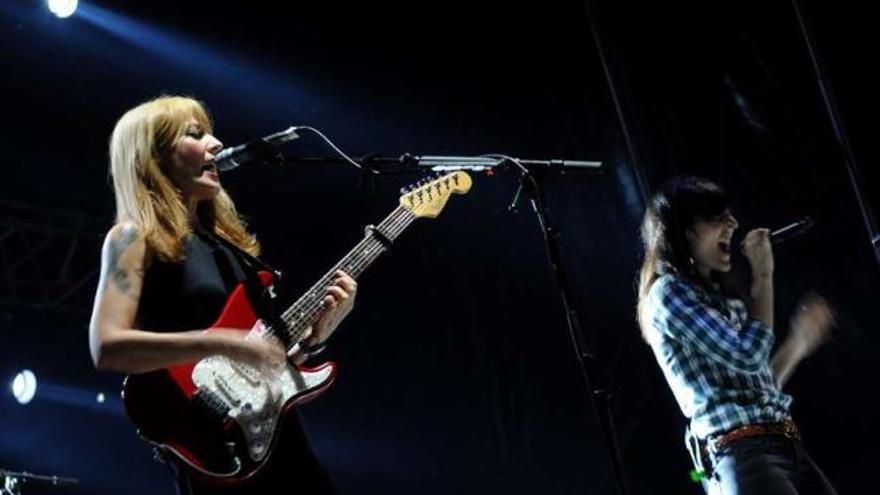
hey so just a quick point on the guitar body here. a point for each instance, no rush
(220, 418)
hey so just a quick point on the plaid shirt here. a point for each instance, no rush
(715, 357)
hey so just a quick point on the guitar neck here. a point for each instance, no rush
(306, 310)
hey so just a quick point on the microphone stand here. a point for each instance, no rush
(532, 175)
(11, 481)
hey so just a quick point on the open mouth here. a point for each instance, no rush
(724, 246)
(209, 166)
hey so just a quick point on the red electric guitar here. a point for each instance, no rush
(219, 417)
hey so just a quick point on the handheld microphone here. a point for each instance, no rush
(791, 230)
(785, 233)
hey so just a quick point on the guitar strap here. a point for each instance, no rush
(261, 299)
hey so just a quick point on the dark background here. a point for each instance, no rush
(457, 371)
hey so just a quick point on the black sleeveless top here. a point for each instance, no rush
(191, 294)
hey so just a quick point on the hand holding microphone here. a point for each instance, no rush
(756, 246)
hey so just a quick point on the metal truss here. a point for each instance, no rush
(49, 259)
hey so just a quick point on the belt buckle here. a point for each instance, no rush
(713, 445)
(710, 447)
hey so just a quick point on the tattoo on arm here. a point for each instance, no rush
(117, 246)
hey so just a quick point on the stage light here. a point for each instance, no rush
(101, 398)
(62, 8)
(24, 386)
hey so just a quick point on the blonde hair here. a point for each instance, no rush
(141, 145)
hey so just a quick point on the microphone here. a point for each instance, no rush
(791, 230)
(785, 233)
(255, 151)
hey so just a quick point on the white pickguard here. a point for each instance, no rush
(255, 399)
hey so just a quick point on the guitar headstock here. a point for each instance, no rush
(427, 200)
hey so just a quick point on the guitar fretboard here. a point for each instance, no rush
(306, 310)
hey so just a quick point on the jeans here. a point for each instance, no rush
(767, 465)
